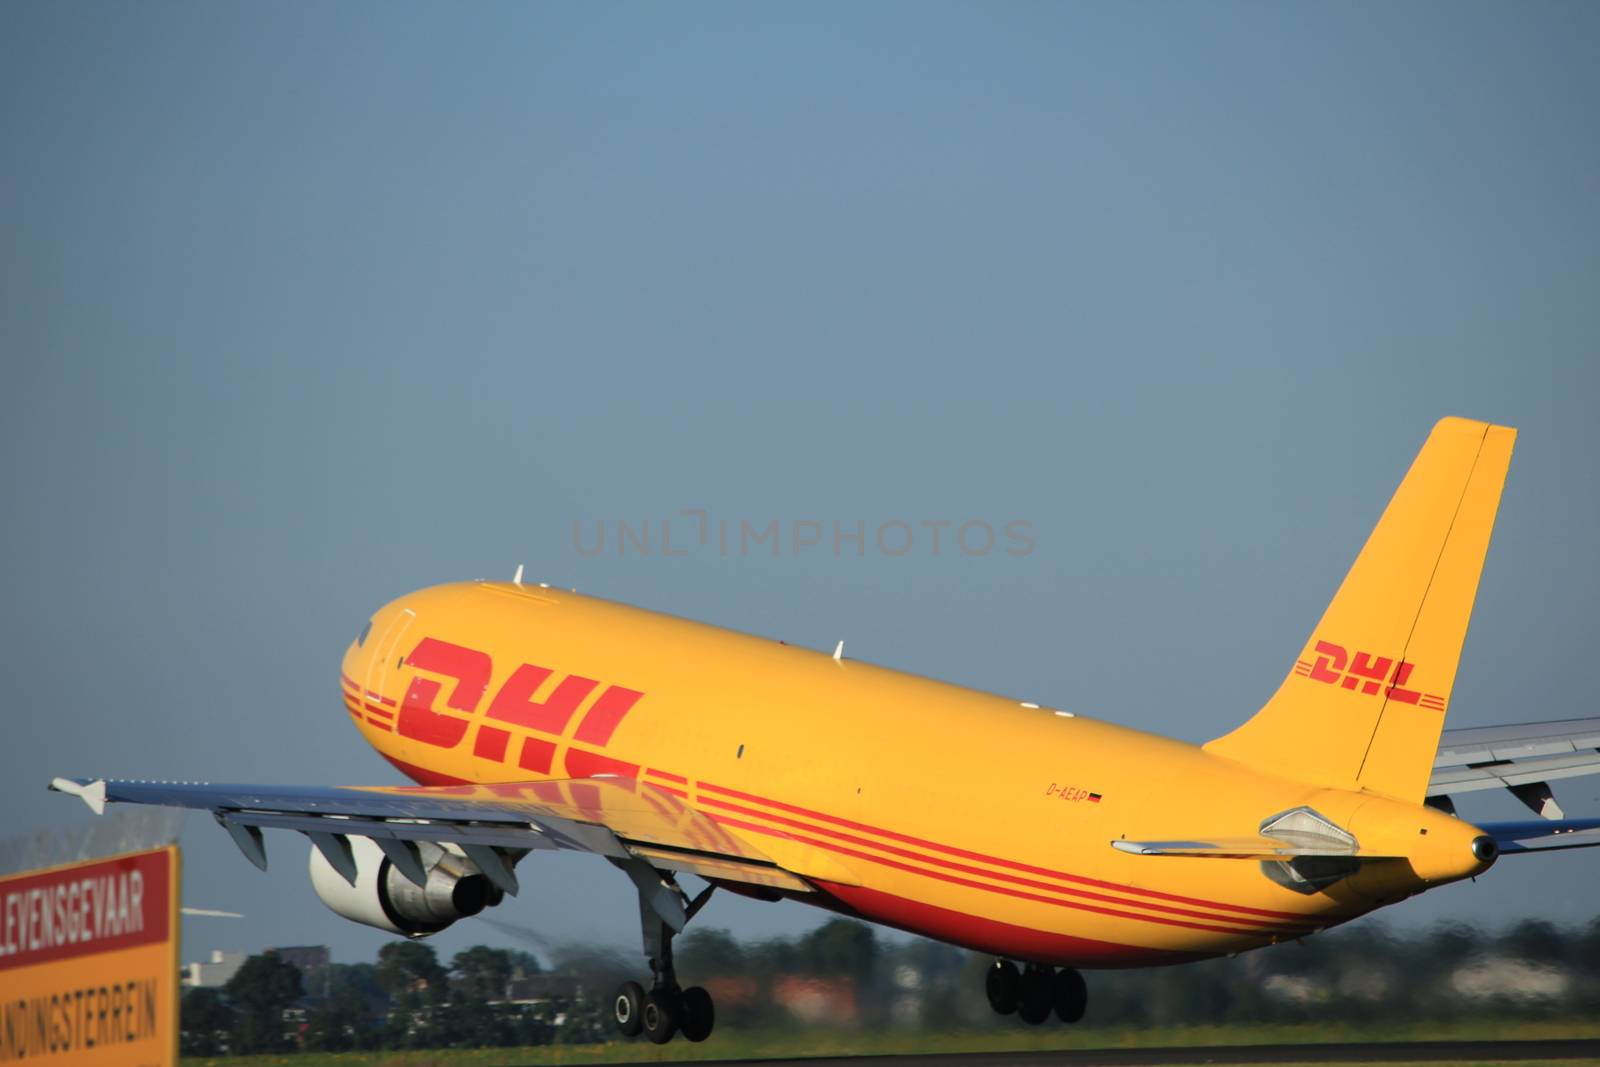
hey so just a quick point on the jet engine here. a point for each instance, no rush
(454, 888)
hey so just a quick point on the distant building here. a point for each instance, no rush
(732, 991)
(1500, 977)
(222, 966)
(537, 988)
(310, 960)
(817, 1000)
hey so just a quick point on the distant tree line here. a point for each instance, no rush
(405, 1000)
(1371, 973)
(845, 973)
(1365, 972)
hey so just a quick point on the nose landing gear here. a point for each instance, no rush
(1032, 994)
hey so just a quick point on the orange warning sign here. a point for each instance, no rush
(89, 962)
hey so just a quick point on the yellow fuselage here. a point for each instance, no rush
(949, 812)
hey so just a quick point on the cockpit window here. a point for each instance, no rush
(361, 638)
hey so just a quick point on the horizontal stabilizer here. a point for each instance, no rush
(1543, 835)
(1237, 848)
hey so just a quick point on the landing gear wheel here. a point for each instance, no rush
(1069, 994)
(627, 1009)
(1033, 1005)
(698, 1014)
(660, 1017)
(1003, 984)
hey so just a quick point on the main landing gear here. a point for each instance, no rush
(1035, 992)
(667, 1009)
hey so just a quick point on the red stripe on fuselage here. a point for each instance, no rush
(582, 764)
(537, 755)
(491, 744)
(998, 875)
(968, 883)
(422, 775)
(995, 860)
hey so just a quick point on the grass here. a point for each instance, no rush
(786, 1044)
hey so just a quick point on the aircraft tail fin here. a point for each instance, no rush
(1364, 704)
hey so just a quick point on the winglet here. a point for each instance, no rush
(91, 793)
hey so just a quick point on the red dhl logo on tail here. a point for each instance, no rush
(514, 705)
(1366, 673)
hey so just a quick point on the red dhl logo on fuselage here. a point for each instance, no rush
(514, 704)
(1365, 673)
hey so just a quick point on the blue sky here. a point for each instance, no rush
(305, 306)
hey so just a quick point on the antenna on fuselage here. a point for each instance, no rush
(516, 579)
(838, 653)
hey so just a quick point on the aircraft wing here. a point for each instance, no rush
(1523, 759)
(626, 820)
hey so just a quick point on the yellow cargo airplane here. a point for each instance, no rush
(532, 718)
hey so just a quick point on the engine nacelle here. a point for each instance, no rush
(385, 898)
